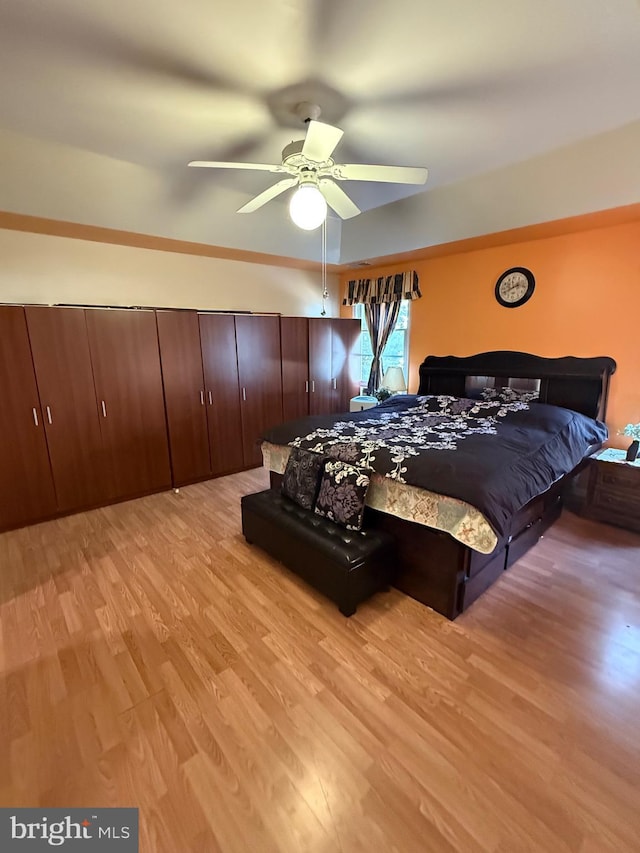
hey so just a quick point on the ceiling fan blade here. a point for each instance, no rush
(381, 174)
(259, 167)
(320, 141)
(337, 199)
(267, 195)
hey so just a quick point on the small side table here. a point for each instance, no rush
(613, 494)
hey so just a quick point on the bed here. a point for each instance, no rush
(482, 513)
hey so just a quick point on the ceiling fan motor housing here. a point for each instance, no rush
(292, 156)
(292, 149)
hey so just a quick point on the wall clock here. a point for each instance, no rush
(515, 287)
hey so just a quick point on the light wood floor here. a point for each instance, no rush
(150, 658)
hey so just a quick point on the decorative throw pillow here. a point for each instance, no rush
(509, 395)
(343, 488)
(301, 479)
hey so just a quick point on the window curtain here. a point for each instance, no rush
(390, 288)
(381, 298)
(381, 319)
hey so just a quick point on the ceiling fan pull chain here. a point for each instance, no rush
(323, 268)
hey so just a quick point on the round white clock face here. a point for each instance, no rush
(515, 287)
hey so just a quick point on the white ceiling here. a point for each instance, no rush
(131, 91)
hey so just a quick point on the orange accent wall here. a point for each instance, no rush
(586, 303)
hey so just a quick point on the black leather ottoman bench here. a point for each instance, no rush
(347, 566)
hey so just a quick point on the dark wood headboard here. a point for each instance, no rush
(581, 384)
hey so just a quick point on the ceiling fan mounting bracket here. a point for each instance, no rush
(307, 111)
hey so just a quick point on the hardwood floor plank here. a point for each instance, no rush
(235, 818)
(149, 657)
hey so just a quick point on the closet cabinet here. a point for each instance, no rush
(294, 334)
(320, 375)
(223, 388)
(128, 382)
(98, 405)
(320, 365)
(345, 363)
(60, 349)
(26, 483)
(260, 377)
(333, 364)
(220, 361)
(185, 395)
(199, 355)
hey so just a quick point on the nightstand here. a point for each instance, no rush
(613, 494)
(362, 402)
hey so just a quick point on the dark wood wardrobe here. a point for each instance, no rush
(185, 395)
(260, 377)
(62, 360)
(26, 483)
(320, 365)
(128, 383)
(105, 404)
(223, 388)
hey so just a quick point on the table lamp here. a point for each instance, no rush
(393, 380)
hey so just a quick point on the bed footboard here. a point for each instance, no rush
(442, 573)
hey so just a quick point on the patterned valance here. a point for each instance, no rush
(387, 288)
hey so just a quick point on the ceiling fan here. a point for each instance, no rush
(309, 166)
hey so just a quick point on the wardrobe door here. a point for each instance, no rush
(126, 367)
(60, 348)
(294, 335)
(184, 393)
(345, 347)
(26, 485)
(222, 397)
(320, 375)
(260, 374)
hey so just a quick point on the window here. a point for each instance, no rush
(396, 352)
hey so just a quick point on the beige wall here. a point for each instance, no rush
(38, 268)
(71, 184)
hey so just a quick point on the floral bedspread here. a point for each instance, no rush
(411, 503)
(491, 455)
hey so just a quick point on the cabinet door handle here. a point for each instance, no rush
(35, 417)
(335, 384)
(210, 398)
(313, 386)
(244, 393)
(104, 409)
(306, 387)
(49, 415)
(202, 398)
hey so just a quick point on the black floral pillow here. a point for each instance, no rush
(343, 488)
(510, 395)
(301, 479)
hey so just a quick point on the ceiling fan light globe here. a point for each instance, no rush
(307, 208)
